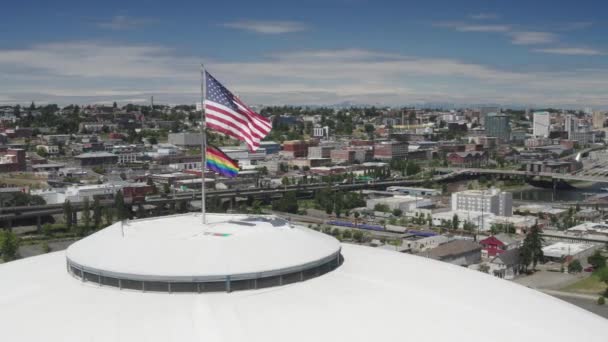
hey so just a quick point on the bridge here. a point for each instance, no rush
(9, 214)
(578, 176)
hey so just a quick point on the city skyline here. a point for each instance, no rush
(323, 53)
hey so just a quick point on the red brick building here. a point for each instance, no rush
(391, 150)
(12, 160)
(467, 159)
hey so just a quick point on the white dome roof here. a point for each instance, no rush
(181, 248)
(374, 295)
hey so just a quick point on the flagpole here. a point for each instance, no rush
(203, 144)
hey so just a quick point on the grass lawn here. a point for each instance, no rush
(589, 285)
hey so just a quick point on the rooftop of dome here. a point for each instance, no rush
(375, 295)
(182, 248)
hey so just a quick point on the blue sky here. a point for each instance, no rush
(307, 52)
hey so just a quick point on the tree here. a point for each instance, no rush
(47, 229)
(119, 204)
(575, 267)
(602, 274)
(347, 234)
(381, 207)
(468, 226)
(108, 214)
(86, 216)
(42, 152)
(358, 236)
(601, 301)
(97, 214)
(141, 213)
(485, 268)
(597, 260)
(397, 212)
(532, 249)
(9, 245)
(68, 214)
(455, 222)
(288, 203)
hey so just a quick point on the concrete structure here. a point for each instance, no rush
(406, 190)
(490, 201)
(185, 139)
(560, 250)
(542, 124)
(403, 203)
(311, 307)
(498, 125)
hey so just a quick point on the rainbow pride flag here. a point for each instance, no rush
(219, 162)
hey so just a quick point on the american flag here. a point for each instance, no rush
(227, 114)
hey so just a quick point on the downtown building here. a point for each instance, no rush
(492, 201)
(542, 124)
(498, 125)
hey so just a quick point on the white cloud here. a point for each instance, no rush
(87, 72)
(532, 37)
(575, 51)
(121, 22)
(483, 16)
(268, 27)
(466, 27)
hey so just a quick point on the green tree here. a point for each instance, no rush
(119, 204)
(97, 214)
(358, 236)
(455, 222)
(347, 234)
(86, 216)
(597, 260)
(141, 213)
(532, 249)
(9, 245)
(575, 267)
(47, 230)
(108, 214)
(397, 212)
(68, 214)
(288, 203)
(381, 207)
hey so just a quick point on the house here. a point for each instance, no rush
(506, 265)
(457, 252)
(497, 244)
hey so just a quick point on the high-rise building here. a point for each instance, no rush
(598, 119)
(483, 201)
(542, 124)
(484, 111)
(497, 125)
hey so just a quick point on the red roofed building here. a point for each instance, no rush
(497, 244)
